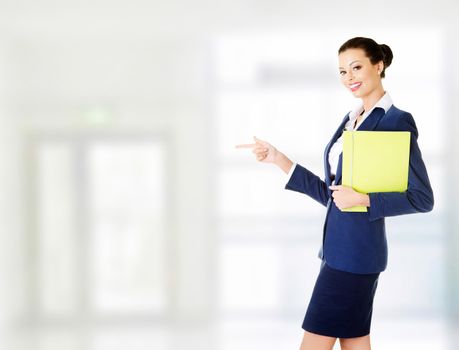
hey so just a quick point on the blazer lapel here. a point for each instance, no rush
(335, 137)
(370, 123)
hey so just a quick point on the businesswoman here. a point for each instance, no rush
(354, 249)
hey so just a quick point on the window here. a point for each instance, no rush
(101, 227)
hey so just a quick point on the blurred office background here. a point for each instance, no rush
(128, 220)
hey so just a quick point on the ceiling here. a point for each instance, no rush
(122, 18)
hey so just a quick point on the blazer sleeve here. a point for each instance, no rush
(419, 195)
(304, 181)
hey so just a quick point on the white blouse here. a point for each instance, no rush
(337, 148)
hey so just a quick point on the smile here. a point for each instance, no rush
(355, 86)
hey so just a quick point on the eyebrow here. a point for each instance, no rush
(350, 64)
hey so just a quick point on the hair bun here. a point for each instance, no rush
(387, 54)
(375, 52)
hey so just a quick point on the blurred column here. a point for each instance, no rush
(195, 187)
(12, 242)
(3, 201)
(452, 164)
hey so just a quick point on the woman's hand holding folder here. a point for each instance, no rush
(345, 197)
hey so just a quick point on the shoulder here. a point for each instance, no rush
(398, 119)
(396, 113)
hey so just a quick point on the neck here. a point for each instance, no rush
(370, 100)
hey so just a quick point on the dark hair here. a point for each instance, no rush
(374, 51)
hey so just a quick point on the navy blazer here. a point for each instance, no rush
(356, 241)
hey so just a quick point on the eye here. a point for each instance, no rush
(357, 67)
(342, 72)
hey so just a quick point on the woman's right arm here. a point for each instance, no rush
(283, 162)
(305, 181)
(301, 180)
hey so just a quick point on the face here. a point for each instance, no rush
(358, 74)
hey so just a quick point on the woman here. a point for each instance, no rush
(354, 249)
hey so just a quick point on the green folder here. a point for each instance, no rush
(375, 161)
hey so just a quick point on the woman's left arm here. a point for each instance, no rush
(419, 195)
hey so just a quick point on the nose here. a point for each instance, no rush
(350, 76)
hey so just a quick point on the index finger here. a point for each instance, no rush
(246, 145)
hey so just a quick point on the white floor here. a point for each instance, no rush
(402, 334)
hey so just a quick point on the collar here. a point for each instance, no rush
(385, 102)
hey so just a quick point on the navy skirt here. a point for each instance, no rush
(341, 304)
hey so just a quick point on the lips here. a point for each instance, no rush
(355, 86)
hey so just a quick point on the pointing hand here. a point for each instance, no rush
(263, 151)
